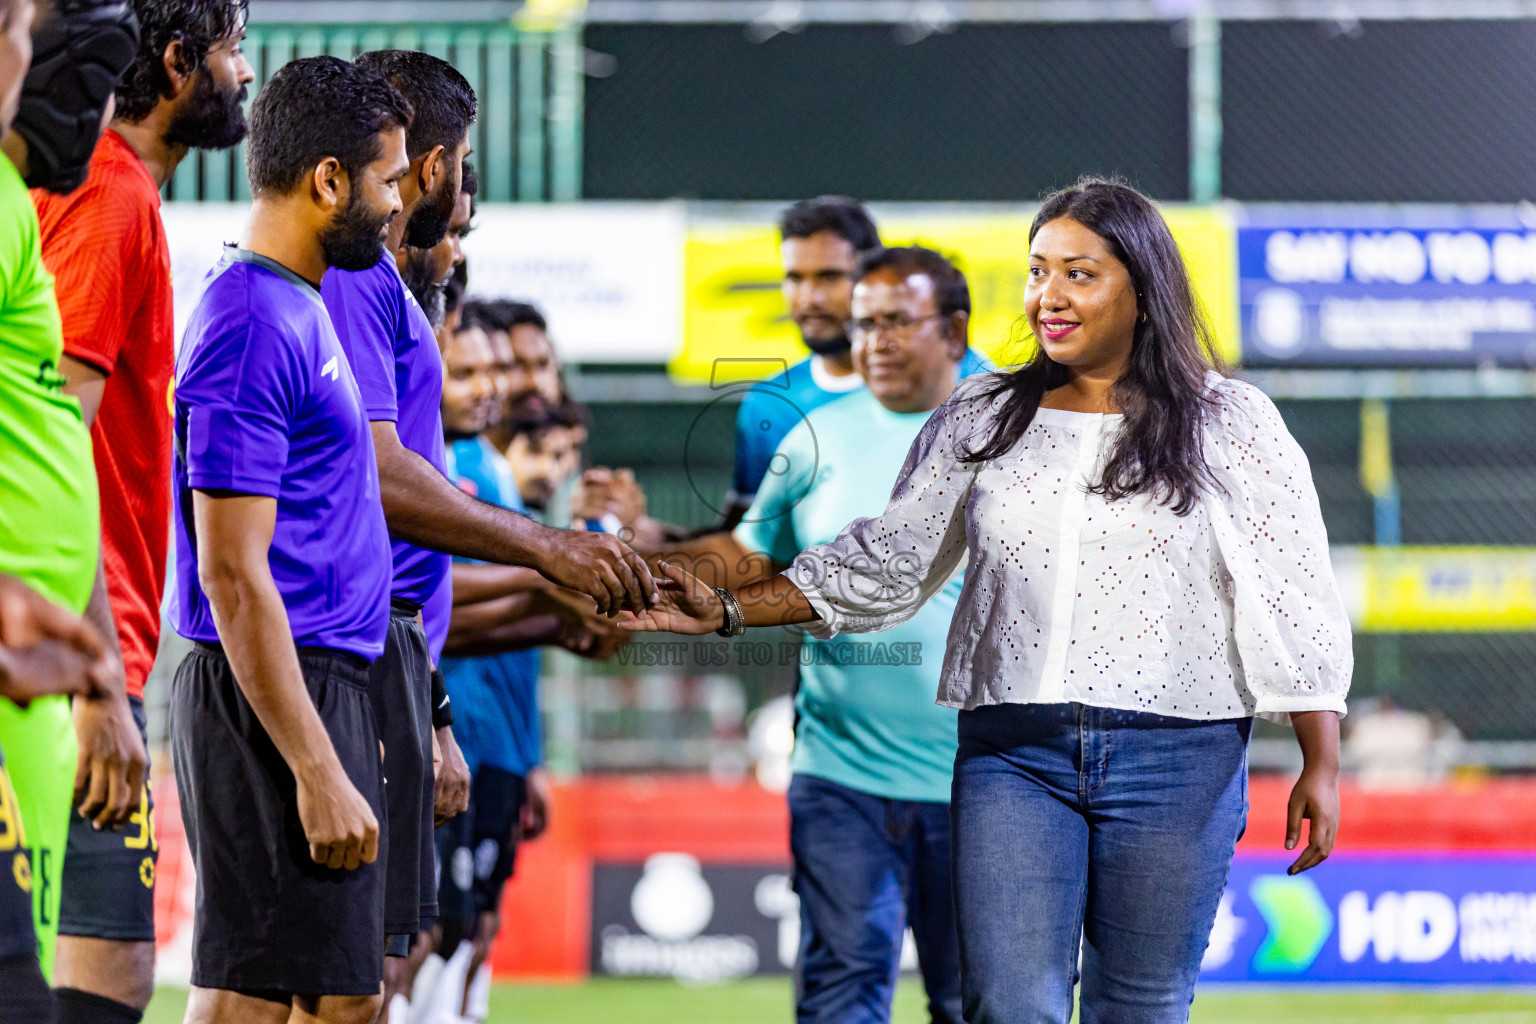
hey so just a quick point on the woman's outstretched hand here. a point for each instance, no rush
(687, 606)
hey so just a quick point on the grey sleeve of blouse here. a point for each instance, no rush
(880, 571)
(1289, 619)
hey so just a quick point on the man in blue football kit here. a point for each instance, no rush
(822, 240)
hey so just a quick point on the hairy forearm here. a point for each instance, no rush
(253, 626)
(718, 559)
(518, 633)
(422, 507)
(473, 584)
(1318, 734)
(473, 625)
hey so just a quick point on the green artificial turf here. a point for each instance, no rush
(767, 1001)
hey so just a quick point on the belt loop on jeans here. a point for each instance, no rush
(404, 609)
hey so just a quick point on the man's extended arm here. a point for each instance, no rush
(534, 616)
(112, 762)
(234, 533)
(473, 584)
(422, 507)
(718, 559)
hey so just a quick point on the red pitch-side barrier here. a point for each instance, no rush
(547, 911)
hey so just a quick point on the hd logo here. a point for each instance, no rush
(1464, 920)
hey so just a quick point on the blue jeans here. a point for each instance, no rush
(865, 868)
(1082, 829)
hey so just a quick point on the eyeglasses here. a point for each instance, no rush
(899, 325)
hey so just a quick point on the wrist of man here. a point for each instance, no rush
(320, 769)
(525, 545)
(442, 705)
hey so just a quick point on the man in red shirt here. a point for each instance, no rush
(106, 247)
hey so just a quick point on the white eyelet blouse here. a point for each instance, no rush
(1229, 611)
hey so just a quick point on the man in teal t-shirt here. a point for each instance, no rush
(866, 708)
(874, 753)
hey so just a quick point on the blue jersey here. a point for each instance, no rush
(772, 408)
(495, 697)
(266, 404)
(399, 372)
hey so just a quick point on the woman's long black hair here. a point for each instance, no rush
(1163, 392)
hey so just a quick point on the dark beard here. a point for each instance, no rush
(429, 221)
(828, 346)
(210, 119)
(450, 435)
(429, 293)
(354, 240)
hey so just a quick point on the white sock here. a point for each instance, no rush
(423, 989)
(399, 1009)
(443, 1005)
(479, 1004)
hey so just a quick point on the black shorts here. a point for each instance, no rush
(478, 849)
(400, 686)
(17, 937)
(109, 877)
(268, 918)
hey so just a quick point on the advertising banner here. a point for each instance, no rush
(699, 923)
(734, 310)
(1421, 286)
(1456, 918)
(1462, 919)
(675, 917)
(608, 276)
(1414, 589)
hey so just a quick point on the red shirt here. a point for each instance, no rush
(106, 248)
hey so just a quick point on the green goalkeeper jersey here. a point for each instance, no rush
(49, 531)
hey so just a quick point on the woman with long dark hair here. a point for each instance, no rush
(1146, 570)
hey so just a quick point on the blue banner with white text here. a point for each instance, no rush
(1458, 919)
(1443, 286)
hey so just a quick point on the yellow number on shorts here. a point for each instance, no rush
(12, 834)
(144, 817)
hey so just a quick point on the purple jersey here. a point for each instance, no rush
(266, 404)
(394, 355)
(436, 615)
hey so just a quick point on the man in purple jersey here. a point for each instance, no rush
(283, 571)
(394, 354)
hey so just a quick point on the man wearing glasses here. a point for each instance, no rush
(821, 242)
(873, 756)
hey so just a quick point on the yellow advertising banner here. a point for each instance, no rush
(1438, 589)
(733, 309)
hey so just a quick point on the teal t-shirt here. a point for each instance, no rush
(868, 713)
